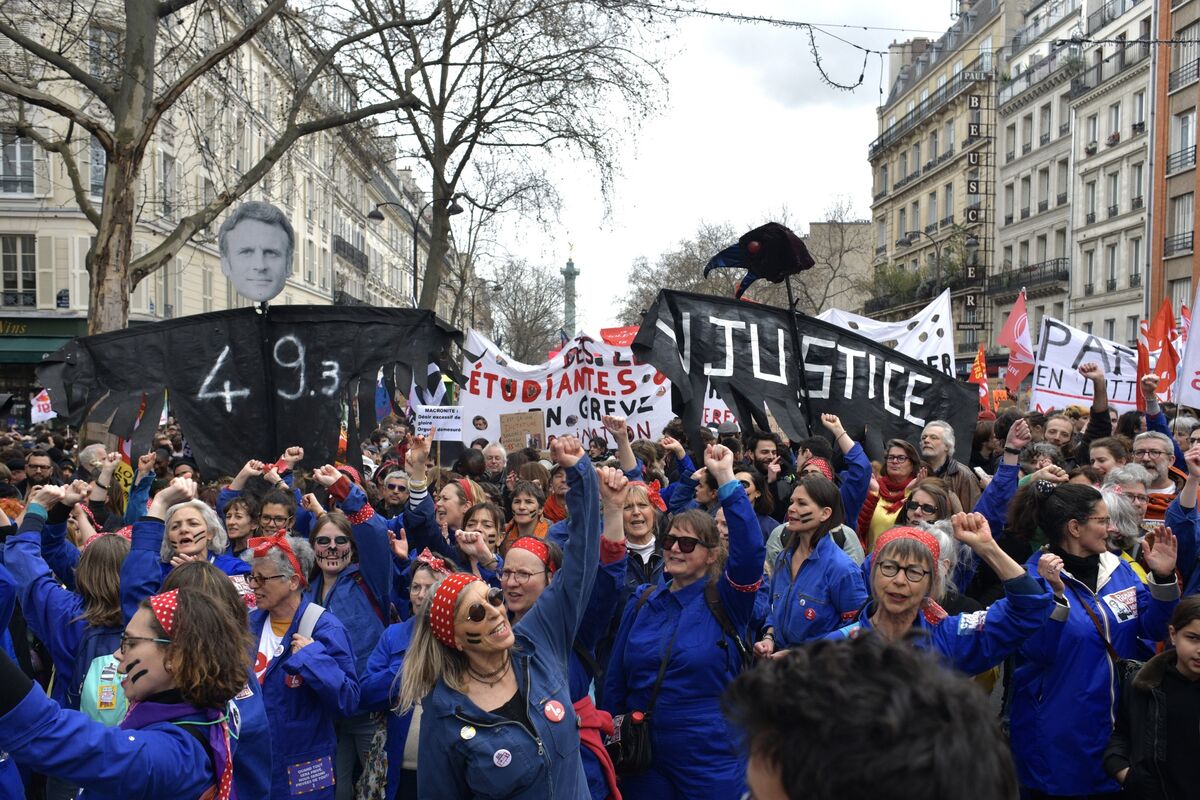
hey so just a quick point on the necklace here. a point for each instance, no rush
(490, 679)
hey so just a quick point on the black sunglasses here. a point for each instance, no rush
(686, 543)
(477, 613)
(913, 505)
(325, 541)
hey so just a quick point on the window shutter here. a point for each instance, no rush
(41, 172)
(45, 272)
(81, 285)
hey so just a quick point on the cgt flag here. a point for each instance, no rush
(979, 378)
(745, 350)
(1015, 336)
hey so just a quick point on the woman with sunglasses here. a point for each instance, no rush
(905, 579)
(304, 662)
(694, 750)
(815, 586)
(183, 658)
(497, 719)
(1067, 680)
(352, 580)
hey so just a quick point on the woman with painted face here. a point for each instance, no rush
(182, 658)
(194, 532)
(673, 631)
(527, 521)
(905, 579)
(241, 522)
(304, 662)
(486, 519)
(496, 708)
(528, 571)
(381, 687)
(1152, 750)
(352, 580)
(1066, 680)
(815, 586)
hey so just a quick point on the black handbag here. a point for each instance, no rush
(1123, 668)
(629, 746)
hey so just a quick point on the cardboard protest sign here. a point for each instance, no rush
(446, 422)
(246, 384)
(1056, 379)
(746, 351)
(927, 336)
(573, 391)
(523, 429)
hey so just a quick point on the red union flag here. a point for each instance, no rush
(1156, 351)
(979, 376)
(1015, 336)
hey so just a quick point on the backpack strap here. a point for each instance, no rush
(712, 598)
(362, 584)
(589, 661)
(308, 620)
(839, 536)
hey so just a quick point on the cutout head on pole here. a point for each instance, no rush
(771, 252)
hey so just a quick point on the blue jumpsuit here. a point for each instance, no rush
(695, 751)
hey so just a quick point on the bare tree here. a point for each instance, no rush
(843, 249)
(527, 310)
(526, 78)
(109, 72)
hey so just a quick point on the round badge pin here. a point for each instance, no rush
(467, 732)
(554, 711)
(810, 614)
(502, 758)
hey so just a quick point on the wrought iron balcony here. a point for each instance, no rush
(1135, 280)
(1109, 12)
(1045, 273)
(1027, 148)
(1044, 139)
(1025, 212)
(1038, 72)
(1134, 53)
(1043, 206)
(1009, 156)
(1061, 199)
(1112, 210)
(1111, 284)
(1089, 288)
(1186, 74)
(1091, 217)
(349, 252)
(1137, 203)
(1181, 159)
(1178, 243)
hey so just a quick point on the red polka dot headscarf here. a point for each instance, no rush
(441, 608)
(164, 606)
(904, 532)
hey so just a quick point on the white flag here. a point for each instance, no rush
(1189, 368)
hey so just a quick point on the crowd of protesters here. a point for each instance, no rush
(611, 618)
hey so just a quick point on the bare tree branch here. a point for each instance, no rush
(102, 91)
(63, 109)
(63, 148)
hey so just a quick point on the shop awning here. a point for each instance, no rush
(28, 349)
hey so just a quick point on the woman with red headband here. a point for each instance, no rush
(497, 719)
(183, 658)
(304, 662)
(904, 581)
(380, 686)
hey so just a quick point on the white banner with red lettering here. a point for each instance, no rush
(39, 407)
(573, 390)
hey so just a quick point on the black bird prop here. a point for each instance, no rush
(771, 252)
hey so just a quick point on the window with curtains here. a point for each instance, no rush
(16, 164)
(18, 263)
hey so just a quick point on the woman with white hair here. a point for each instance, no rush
(1126, 492)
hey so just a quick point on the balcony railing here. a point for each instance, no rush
(977, 70)
(1186, 74)
(1112, 210)
(1027, 148)
(1111, 284)
(1009, 156)
(947, 220)
(880, 249)
(1139, 127)
(1131, 55)
(1008, 218)
(882, 193)
(1179, 243)
(1061, 199)
(1043, 23)
(1055, 270)
(343, 298)
(931, 227)
(1037, 73)
(1135, 280)
(1181, 159)
(1044, 139)
(1025, 212)
(1108, 12)
(1043, 206)
(1091, 217)
(350, 253)
(1137, 203)
(1089, 288)
(925, 290)
(1064, 129)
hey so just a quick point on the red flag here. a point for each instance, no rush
(979, 376)
(1156, 350)
(1015, 336)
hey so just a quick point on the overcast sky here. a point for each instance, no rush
(748, 128)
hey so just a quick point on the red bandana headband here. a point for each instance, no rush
(441, 609)
(433, 562)
(820, 464)
(466, 487)
(164, 606)
(921, 536)
(652, 489)
(261, 545)
(125, 533)
(538, 548)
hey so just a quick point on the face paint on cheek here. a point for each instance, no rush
(474, 639)
(133, 677)
(806, 517)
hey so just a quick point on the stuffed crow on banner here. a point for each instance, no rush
(770, 251)
(745, 351)
(246, 384)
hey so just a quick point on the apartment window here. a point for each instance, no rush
(883, 178)
(903, 165)
(1110, 261)
(1026, 192)
(1089, 260)
(880, 233)
(1027, 131)
(1181, 212)
(18, 260)
(941, 80)
(1044, 120)
(1064, 111)
(206, 283)
(16, 164)
(1139, 107)
(1064, 176)
(1114, 119)
(1040, 249)
(902, 224)
(104, 51)
(958, 67)
(909, 106)
(924, 95)
(166, 186)
(1087, 328)
(1093, 128)
(948, 200)
(1060, 243)
(1181, 292)
(1131, 329)
(1110, 328)
(310, 198)
(1008, 253)
(1185, 130)
(914, 213)
(1009, 199)
(1135, 179)
(97, 165)
(1188, 49)
(1111, 182)
(948, 135)
(915, 157)
(1135, 256)
(892, 121)
(933, 145)
(1044, 184)
(1089, 193)
(931, 216)
(1023, 253)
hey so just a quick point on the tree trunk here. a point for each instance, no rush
(108, 262)
(435, 266)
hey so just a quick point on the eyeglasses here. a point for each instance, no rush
(746, 484)
(1151, 453)
(913, 505)
(1194, 440)
(273, 521)
(129, 641)
(686, 543)
(1137, 498)
(1102, 520)
(325, 541)
(889, 569)
(397, 487)
(477, 613)
(519, 576)
(261, 580)
(900, 459)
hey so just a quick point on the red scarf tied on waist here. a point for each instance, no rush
(892, 492)
(594, 725)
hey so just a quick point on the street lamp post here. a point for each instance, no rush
(970, 244)
(375, 215)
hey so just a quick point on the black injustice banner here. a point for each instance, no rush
(745, 350)
(245, 383)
